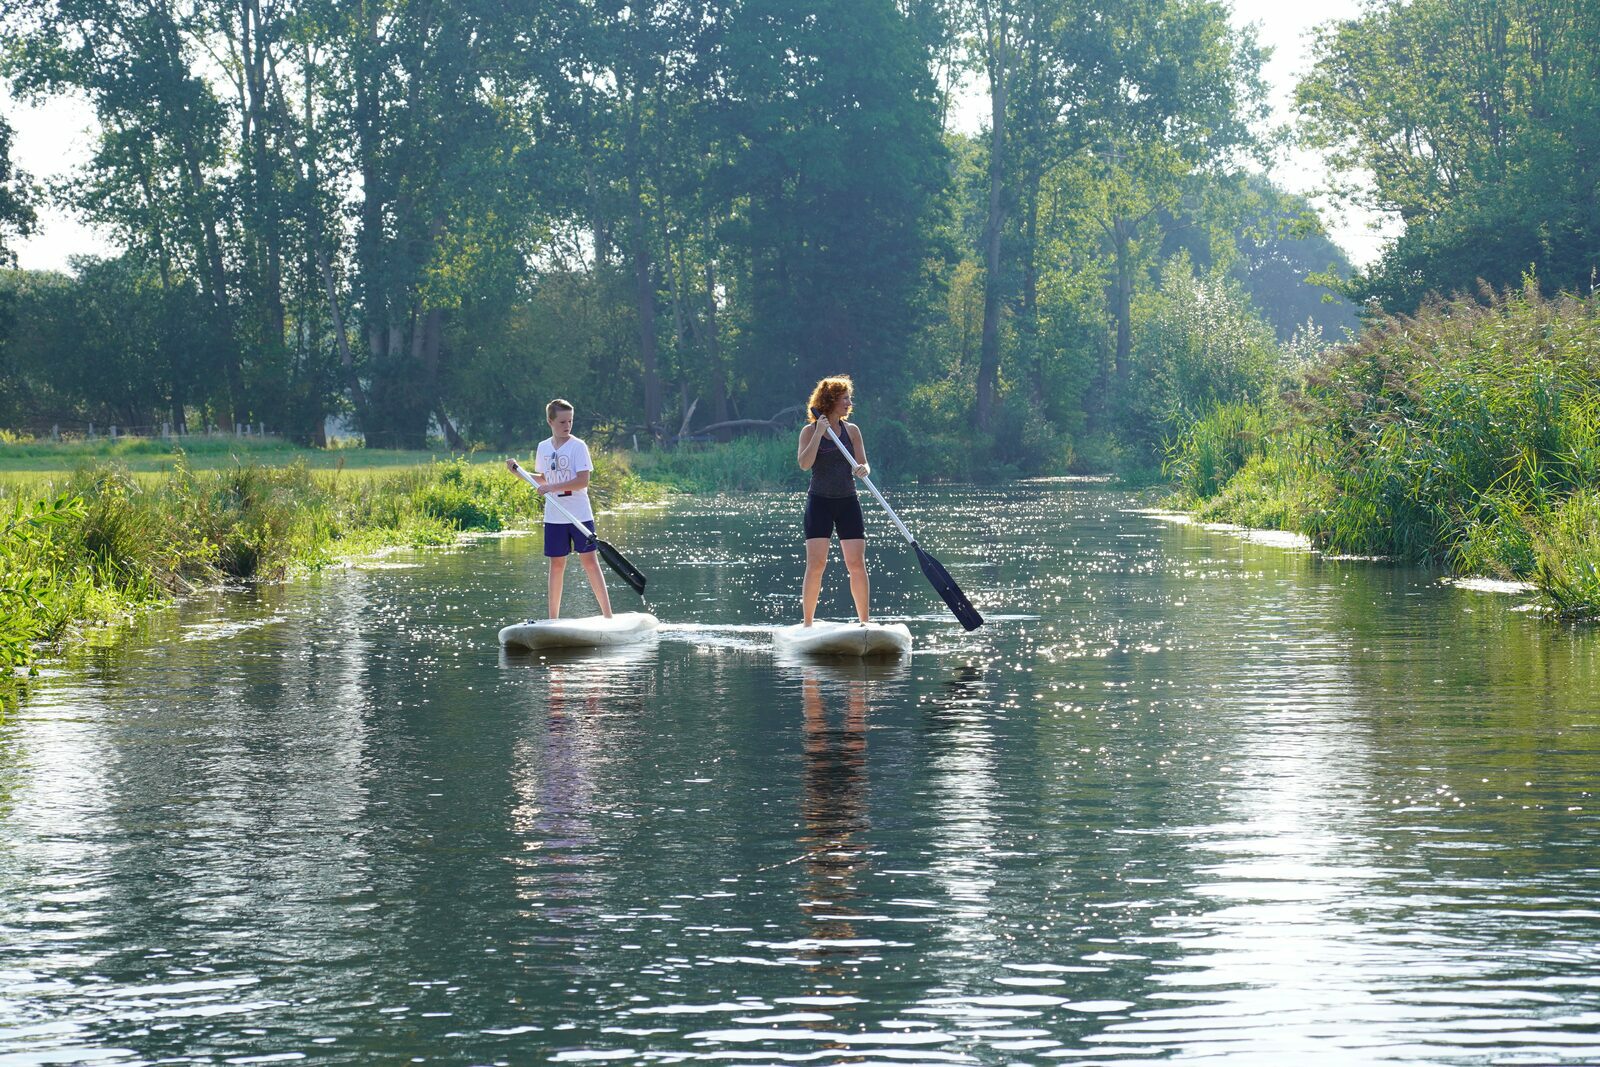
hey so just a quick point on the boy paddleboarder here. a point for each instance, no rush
(561, 470)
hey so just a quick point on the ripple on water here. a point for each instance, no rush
(1184, 796)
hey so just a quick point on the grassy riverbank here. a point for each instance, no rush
(749, 463)
(99, 544)
(1466, 437)
(25, 463)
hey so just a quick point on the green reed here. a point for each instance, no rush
(1461, 436)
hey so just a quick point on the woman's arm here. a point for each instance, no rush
(862, 467)
(810, 441)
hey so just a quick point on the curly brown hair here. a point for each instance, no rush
(827, 394)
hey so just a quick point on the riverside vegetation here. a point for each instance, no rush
(138, 522)
(102, 543)
(1466, 436)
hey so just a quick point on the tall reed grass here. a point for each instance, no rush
(1467, 436)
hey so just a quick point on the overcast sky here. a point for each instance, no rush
(52, 141)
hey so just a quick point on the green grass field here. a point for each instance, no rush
(148, 455)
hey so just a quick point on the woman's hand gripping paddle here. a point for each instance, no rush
(937, 576)
(614, 559)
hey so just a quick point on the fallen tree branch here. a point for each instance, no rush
(772, 425)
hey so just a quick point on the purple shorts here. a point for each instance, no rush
(562, 537)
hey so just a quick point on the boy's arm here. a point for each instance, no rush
(578, 481)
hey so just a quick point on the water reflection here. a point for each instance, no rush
(834, 805)
(1186, 797)
(577, 708)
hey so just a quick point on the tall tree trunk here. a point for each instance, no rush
(644, 290)
(256, 49)
(347, 364)
(1030, 282)
(215, 285)
(432, 340)
(719, 377)
(1122, 302)
(177, 370)
(994, 223)
(369, 234)
(198, 202)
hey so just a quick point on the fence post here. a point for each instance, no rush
(91, 431)
(55, 432)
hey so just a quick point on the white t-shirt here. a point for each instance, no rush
(562, 465)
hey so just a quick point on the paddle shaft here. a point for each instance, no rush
(550, 501)
(826, 425)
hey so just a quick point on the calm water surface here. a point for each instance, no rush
(1187, 797)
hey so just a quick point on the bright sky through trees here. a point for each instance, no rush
(51, 142)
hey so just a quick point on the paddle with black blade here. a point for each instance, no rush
(938, 577)
(614, 559)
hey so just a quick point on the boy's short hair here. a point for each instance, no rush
(554, 406)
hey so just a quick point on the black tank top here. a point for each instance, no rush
(831, 473)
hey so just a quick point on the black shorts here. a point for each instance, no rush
(824, 514)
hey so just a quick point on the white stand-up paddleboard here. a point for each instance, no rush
(594, 631)
(844, 639)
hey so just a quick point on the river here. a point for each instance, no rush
(1186, 796)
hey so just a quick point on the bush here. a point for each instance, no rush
(1497, 539)
(1436, 423)
(25, 579)
(1275, 489)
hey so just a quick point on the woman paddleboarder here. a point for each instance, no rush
(832, 504)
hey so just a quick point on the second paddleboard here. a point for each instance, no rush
(594, 631)
(844, 639)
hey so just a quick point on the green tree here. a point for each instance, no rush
(1100, 117)
(1199, 344)
(1170, 90)
(831, 155)
(1272, 243)
(16, 219)
(1475, 119)
(153, 179)
(17, 216)
(433, 108)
